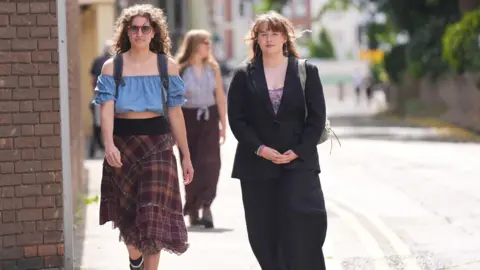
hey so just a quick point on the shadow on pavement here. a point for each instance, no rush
(365, 121)
(369, 127)
(203, 230)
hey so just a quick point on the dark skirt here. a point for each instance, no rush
(142, 198)
(203, 137)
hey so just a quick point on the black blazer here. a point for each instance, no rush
(254, 123)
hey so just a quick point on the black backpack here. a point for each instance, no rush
(162, 69)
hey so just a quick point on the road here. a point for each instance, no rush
(396, 199)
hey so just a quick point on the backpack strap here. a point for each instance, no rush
(302, 73)
(163, 70)
(117, 72)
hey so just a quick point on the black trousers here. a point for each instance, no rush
(203, 138)
(96, 141)
(286, 220)
(96, 135)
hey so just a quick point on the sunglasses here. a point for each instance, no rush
(134, 29)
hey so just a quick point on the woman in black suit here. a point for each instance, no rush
(276, 158)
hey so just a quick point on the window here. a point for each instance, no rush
(178, 13)
(241, 8)
(300, 8)
(287, 10)
(219, 9)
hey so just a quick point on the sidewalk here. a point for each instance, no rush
(224, 248)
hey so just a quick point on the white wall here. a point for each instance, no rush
(198, 14)
(342, 26)
(240, 24)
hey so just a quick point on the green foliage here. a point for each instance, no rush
(329, 5)
(387, 33)
(83, 201)
(424, 51)
(90, 200)
(339, 5)
(379, 72)
(461, 43)
(410, 15)
(267, 5)
(395, 64)
(323, 47)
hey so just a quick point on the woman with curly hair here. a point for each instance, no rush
(141, 120)
(277, 125)
(203, 111)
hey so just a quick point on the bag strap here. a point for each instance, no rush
(117, 72)
(302, 73)
(163, 70)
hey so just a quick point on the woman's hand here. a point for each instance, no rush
(288, 157)
(113, 156)
(270, 154)
(187, 170)
(223, 135)
(275, 156)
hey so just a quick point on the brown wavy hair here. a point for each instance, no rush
(274, 22)
(190, 43)
(160, 43)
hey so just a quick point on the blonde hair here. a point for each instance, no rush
(188, 48)
(274, 22)
(160, 43)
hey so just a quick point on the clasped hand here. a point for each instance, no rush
(275, 156)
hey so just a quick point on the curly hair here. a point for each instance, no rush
(274, 22)
(160, 43)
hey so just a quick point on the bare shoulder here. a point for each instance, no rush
(172, 66)
(107, 68)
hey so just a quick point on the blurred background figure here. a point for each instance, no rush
(95, 71)
(203, 112)
(341, 91)
(357, 83)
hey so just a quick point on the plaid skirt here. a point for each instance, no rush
(142, 198)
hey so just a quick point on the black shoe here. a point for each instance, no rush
(139, 267)
(207, 218)
(193, 218)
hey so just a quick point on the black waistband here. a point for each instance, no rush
(150, 126)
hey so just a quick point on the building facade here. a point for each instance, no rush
(233, 19)
(97, 18)
(31, 186)
(300, 13)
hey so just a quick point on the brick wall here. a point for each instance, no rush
(30, 155)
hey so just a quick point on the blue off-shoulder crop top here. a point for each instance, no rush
(140, 93)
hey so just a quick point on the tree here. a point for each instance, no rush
(323, 48)
(468, 5)
(330, 5)
(267, 5)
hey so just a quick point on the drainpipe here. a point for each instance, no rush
(65, 135)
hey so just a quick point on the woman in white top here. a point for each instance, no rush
(204, 110)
